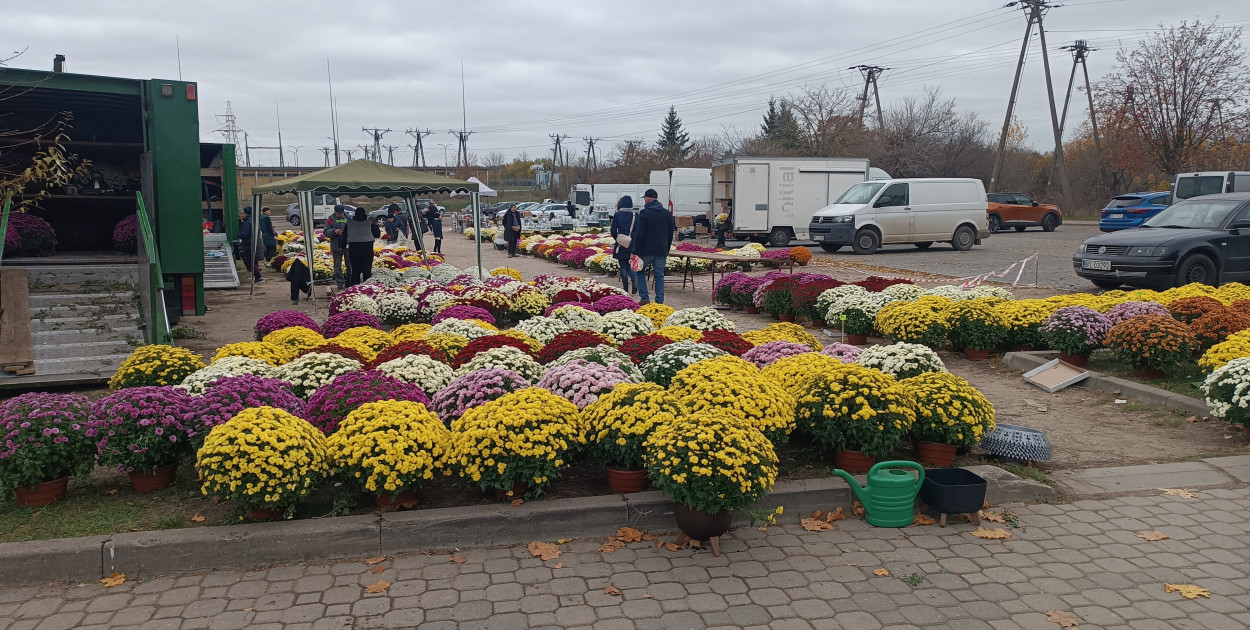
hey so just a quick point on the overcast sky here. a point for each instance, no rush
(608, 70)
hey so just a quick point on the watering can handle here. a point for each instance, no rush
(900, 464)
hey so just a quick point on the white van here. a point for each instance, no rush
(689, 192)
(917, 211)
(1190, 185)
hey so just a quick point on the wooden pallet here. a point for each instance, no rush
(17, 353)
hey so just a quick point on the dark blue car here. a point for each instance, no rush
(1131, 210)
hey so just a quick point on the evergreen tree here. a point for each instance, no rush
(674, 142)
(769, 127)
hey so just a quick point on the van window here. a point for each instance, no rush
(895, 195)
(860, 193)
(1187, 187)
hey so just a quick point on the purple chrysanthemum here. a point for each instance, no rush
(331, 403)
(278, 320)
(474, 389)
(339, 322)
(764, 355)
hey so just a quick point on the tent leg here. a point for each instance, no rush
(477, 229)
(310, 243)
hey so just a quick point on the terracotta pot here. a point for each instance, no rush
(818, 323)
(1074, 359)
(802, 263)
(786, 317)
(976, 355)
(625, 480)
(1022, 348)
(857, 340)
(701, 525)
(854, 461)
(388, 504)
(518, 490)
(265, 514)
(1147, 373)
(158, 479)
(751, 310)
(935, 453)
(775, 315)
(42, 494)
(1248, 431)
(735, 307)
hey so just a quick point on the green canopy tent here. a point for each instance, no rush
(359, 178)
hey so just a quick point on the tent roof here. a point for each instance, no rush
(482, 189)
(366, 178)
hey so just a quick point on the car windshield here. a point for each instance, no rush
(1188, 187)
(860, 193)
(1124, 202)
(1194, 214)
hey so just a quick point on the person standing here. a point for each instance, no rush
(360, 232)
(725, 225)
(434, 219)
(251, 259)
(512, 229)
(653, 237)
(624, 223)
(268, 236)
(335, 228)
(571, 208)
(300, 279)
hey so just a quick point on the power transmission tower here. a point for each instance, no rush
(1080, 50)
(462, 150)
(871, 74)
(555, 155)
(349, 153)
(230, 131)
(377, 141)
(390, 154)
(418, 151)
(368, 151)
(295, 152)
(1035, 11)
(326, 151)
(592, 164)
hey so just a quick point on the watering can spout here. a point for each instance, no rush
(855, 487)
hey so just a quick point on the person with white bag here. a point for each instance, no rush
(623, 224)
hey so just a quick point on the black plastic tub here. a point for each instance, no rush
(953, 490)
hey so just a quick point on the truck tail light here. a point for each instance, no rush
(190, 91)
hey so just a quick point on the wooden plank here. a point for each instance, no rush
(16, 348)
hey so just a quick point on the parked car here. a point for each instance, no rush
(917, 211)
(323, 206)
(1132, 209)
(1020, 212)
(1204, 240)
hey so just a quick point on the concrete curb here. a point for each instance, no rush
(143, 554)
(1025, 361)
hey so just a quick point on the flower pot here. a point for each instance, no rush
(625, 481)
(265, 514)
(752, 310)
(1022, 348)
(518, 490)
(42, 494)
(818, 323)
(775, 315)
(735, 307)
(701, 525)
(857, 340)
(935, 453)
(1074, 359)
(976, 355)
(786, 317)
(386, 503)
(802, 263)
(158, 479)
(854, 461)
(1147, 373)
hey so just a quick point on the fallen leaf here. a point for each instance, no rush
(993, 517)
(458, 559)
(997, 533)
(559, 565)
(198, 518)
(1064, 618)
(612, 545)
(985, 504)
(815, 524)
(248, 609)
(375, 560)
(113, 491)
(695, 544)
(648, 596)
(671, 546)
(629, 535)
(544, 551)
(516, 502)
(1192, 419)
(852, 564)
(858, 509)
(378, 569)
(611, 590)
(1188, 591)
(1152, 536)
(1183, 493)
(921, 519)
(836, 515)
(649, 537)
(881, 572)
(659, 543)
(379, 587)
(114, 579)
(563, 540)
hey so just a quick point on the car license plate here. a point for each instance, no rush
(1119, 215)
(1097, 265)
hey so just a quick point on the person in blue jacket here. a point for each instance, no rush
(624, 223)
(653, 238)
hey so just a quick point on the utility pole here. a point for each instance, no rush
(349, 153)
(1217, 106)
(444, 145)
(366, 149)
(555, 155)
(418, 151)
(295, 152)
(326, 151)
(462, 151)
(1080, 50)
(871, 74)
(230, 131)
(377, 141)
(390, 154)
(592, 164)
(278, 115)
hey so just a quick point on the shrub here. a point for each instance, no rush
(464, 312)
(975, 325)
(1227, 391)
(296, 338)
(1075, 330)
(640, 348)
(614, 303)
(408, 348)
(389, 447)
(331, 403)
(28, 235)
(619, 422)
(783, 331)
(843, 352)
(126, 234)
(141, 429)
(43, 437)
(1235, 347)
(474, 389)
(155, 365)
(855, 314)
(702, 319)
(278, 320)
(1190, 308)
(1216, 326)
(263, 457)
(792, 372)
(542, 328)
(342, 351)
(270, 353)
(901, 360)
(420, 370)
(313, 370)
(581, 382)
(764, 355)
(1155, 342)
(200, 380)
(622, 326)
(225, 397)
(726, 340)
(508, 358)
(340, 322)
(912, 322)
(800, 254)
(1125, 311)
(572, 340)
(739, 390)
(778, 296)
(490, 342)
(1023, 318)
(663, 364)
(711, 461)
(856, 408)
(949, 410)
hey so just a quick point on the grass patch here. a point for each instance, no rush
(1170, 423)
(187, 332)
(1035, 474)
(1185, 379)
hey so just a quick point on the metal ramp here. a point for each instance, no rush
(219, 269)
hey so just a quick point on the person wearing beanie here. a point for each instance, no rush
(653, 237)
(624, 224)
(336, 226)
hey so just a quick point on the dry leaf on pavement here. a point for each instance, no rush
(648, 596)
(114, 579)
(544, 550)
(997, 533)
(458, 559)
(1188, 591)
(111, 492)
(561, 541)
(815, 524)
(1183, 493)
(993, 517)
(1064, 618)
(516, 502)
(559, 565)
(379, 587)
(858, 509)
(1152, 536)
(649, 537)
(380, 568)
(671, 546)
(629, 535)
(375, 560)
(611, 590)
(921, 519)
(612, 545)
(198, 518)
(881, 572)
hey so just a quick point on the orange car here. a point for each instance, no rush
(1020, 212)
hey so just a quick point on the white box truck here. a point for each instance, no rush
(588, 196)
(689, 192)
(772, 200)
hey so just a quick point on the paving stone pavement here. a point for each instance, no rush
(1084, 557)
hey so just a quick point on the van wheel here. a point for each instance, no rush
(293, 220)
(830, 248)
(1050, 222)
(996, 223)
(964, 239)
(923, 244)
(779, 237)
(866, 241)
(1021, 228)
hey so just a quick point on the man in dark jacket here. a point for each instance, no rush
(251, 259)
(268, 236)
(652, 239)
(512, 229)
(338, 242)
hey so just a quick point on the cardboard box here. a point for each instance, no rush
(684, 221)
(701, 229)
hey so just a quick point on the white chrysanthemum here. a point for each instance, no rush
(577, 318)
(198, 381)
(433, 302)
(544, 329)
(903, 292)
(398, 308)
(385, 277)
(902, 360)
(868, 303)
(313, 370)
(625, 325)
(508, 358)
(701, 318)
(420, 370)
(672, 358)
(951, 292)
(361, 302)
(603, 355)
(466, 329)
(444, 273)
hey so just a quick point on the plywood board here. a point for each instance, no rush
(17, 353)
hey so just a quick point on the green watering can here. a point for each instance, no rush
(890, 497)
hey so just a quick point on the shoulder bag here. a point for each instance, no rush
(625, 240)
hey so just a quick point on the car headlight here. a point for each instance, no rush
(1147, 251)
(1081, 249)
(846, 218)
